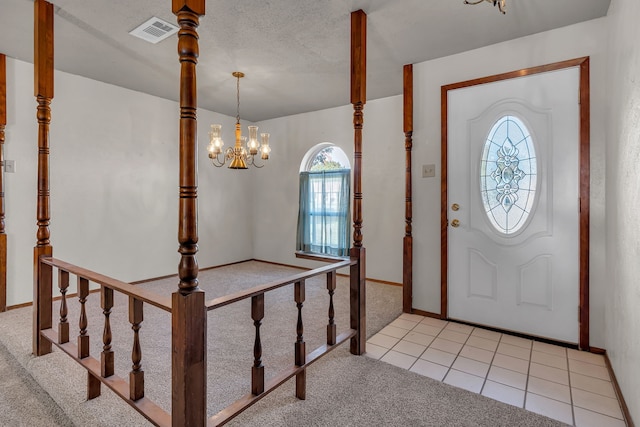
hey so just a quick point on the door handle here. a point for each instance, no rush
(455, 223)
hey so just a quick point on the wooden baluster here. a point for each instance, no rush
(257, 371)
(93, 384)
(299, 348)
(43, 82)
(106, 357)
(407, 254)
(3, 234)
(358, 99)
(136, 376)
(63, 325)
(83, 338)
(331, 327)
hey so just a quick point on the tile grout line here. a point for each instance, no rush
(429, 346)
(454, 359)
(417, 358)
(491, 364)
(573, 409)
(526, 386)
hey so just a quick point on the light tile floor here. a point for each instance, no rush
(568, 385)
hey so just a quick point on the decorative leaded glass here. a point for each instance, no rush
(508, 175)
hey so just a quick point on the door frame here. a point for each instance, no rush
(584, 185)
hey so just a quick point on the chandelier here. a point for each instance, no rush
(239, 156)
(500, 3)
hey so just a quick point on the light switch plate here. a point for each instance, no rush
(428, 171)
(10, 166)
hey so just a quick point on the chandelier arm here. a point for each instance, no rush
(475, 2)
(216, 162)
(251, 160)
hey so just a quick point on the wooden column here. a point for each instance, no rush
(43, 82)
(358, 99)
(3, 234)
(189, 321)
(407, 253)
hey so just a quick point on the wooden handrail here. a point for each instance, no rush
(128, 289)
(261, 289)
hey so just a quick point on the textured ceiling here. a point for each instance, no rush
(295, 53)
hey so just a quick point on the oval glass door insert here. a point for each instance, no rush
(508, 175)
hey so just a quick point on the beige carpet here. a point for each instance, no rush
(342, 389)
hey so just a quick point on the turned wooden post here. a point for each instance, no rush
(188, 316)
(43, 79)
(3, 234)
(136, 376)
(83, 338)
(300, 346)
(107, 356)
(358, 99)
(257, 371)
(93, 384)
(331, 327)
(63, 325)
(407, 253)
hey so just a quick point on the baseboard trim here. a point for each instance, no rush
(17, 306)
(56, 298)
(623, 405)
(139, 282)
(280, 264)
(425, 313)
(153, 279)
(384, 282)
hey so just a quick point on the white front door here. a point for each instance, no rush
(513, 192)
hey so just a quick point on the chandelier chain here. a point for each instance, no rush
(238, 99)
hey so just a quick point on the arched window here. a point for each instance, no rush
(323, 217)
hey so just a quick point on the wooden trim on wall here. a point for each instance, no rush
(3, 235)
(407, 251)
(584, 171)
(426, 313)
(585, 200)
(616, 387)
(444, 203)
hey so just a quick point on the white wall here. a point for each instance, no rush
(585, 39)
(275, 188)
(114, 183)
(276, 193)
(623, 200)
(117, 213)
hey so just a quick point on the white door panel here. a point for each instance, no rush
(525, 280)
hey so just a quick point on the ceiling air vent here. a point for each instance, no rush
(154, 30)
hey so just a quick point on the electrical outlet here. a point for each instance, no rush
(428, 171)
(10, 166)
